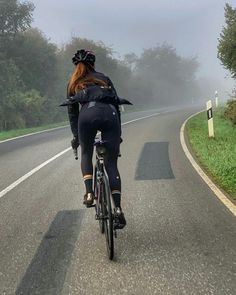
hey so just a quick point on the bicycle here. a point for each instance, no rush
(103, 199)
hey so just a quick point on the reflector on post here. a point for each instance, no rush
(210, 119)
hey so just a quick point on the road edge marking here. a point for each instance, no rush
(37, 168)
(219, 194)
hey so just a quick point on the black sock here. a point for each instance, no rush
(116, 199)
(88, 185)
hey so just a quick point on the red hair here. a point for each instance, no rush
(82, 78)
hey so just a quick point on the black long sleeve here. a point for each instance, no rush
(116, 106)
(73, 113)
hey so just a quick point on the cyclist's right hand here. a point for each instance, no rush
(75, 142)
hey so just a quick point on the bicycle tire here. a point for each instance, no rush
(108, 222)
(98, 197)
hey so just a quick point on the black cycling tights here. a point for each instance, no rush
(102, 117)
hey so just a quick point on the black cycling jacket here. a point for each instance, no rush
(73, 109)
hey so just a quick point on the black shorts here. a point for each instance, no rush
(97, 116)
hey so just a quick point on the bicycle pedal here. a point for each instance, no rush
(90, 206)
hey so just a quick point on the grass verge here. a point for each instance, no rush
(216, 155)
(18, 132)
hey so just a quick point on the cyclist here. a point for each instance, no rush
(94, 105)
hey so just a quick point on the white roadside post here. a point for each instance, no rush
(216, 98)
(210, 119)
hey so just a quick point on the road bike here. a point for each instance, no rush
(103, 199)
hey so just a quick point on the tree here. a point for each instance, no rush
(166, 78)
(10, 82)
(15, 17)
(130, 59)
(36, 58)
(227, 41)
(28, 69)
(31, 107)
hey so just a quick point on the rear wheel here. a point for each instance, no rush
(98, 192)
(108, 221)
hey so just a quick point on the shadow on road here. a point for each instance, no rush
(46, 273)
(154, 162)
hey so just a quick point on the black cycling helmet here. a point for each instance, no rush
(85, 56)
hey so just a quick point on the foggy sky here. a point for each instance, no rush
(191, 26)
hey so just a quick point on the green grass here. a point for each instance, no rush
(216, 155)
(17, 132)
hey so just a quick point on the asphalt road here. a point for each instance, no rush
(179, 238)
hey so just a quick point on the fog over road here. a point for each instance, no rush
(179, 238)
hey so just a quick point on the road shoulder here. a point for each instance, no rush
(220, 194)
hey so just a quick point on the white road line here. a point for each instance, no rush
(220, 195)
(140, 119)
(27, 175)
(36, 169)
